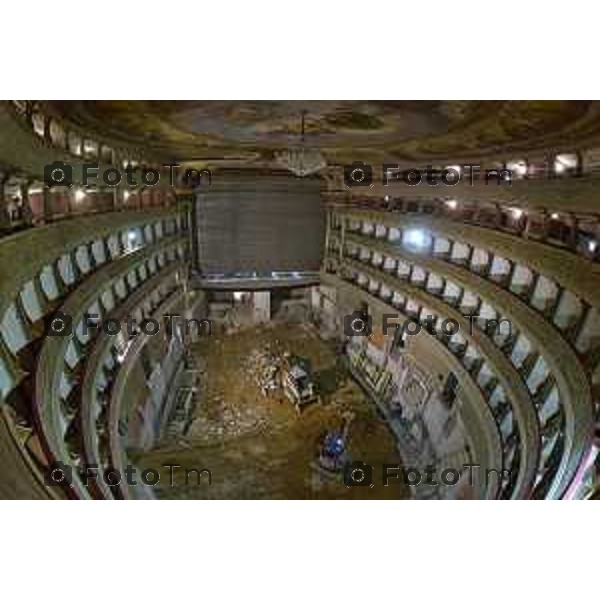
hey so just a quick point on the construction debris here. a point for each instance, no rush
(264, 365)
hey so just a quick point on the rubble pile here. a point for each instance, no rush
(264, 365)
(230, 421)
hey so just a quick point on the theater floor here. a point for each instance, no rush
(259, 447)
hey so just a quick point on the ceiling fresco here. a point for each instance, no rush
(252, 131)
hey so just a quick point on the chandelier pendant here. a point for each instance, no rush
(301, 160)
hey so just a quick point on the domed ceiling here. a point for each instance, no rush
(252, 131)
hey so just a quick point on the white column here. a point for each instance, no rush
(261, 302)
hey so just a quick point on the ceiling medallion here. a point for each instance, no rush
(300, 159)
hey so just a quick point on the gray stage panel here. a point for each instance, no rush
(259, 224)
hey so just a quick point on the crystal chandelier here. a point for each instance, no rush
(301, 160)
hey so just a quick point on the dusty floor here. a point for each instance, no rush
(257, 447)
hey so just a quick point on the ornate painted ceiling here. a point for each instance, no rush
(250, 132)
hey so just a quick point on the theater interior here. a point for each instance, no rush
(301, 245)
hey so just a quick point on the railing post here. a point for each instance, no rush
(27, 211)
